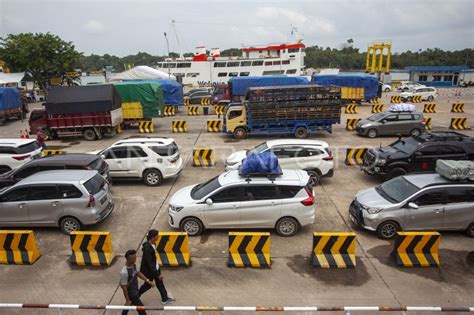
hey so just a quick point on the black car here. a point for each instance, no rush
(71, 161)
(417, 154)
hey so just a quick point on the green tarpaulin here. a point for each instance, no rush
(149, 94)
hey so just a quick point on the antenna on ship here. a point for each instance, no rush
(173, 27)
(296, 34)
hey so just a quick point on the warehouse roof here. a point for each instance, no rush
(437, 68)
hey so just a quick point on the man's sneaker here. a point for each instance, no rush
(170, 300)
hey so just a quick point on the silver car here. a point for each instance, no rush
(415, 203)
(392, 124)
(69, 199)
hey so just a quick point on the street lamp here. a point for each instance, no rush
(168, 47)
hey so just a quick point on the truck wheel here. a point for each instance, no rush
(89, 134)
(301, 133)
(240, 133)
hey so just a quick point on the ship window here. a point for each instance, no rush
(192, 75)
(293, 50)
(277, 62)
(283, 51)
(233, 74)
(233, 64)
(160, 65)
(184, 65)
(178, 74)
(257, 63)
(219, 64)
(273, 72)
(268, 63)
(259, 51)
(245, 63)
(169, 65)
(244, 74)
(222, 74)
(291, 71)
(285, 62)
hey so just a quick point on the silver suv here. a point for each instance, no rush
(392, 124)
(65, 198)
(415, 203)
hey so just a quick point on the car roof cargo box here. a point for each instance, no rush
(9, 98)
(82, 99)
(260, 164)
(455, 170)
(368, 82)
(402, 107)
(239, 85)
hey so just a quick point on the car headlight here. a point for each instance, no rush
(380, 161)
(175, 208)
(366, 125)
(374, 210)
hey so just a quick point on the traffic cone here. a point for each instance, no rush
(27, 135)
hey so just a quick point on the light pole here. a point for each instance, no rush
(168, 47)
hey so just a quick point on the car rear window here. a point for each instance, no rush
(27, 148)
(95, 165)
(95, 184)
(167, 150)
(288, 191)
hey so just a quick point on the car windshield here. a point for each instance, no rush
(95, 184)
(259, 148)
(407, 145)
(201, 190)
(397, 189)
(376, 117)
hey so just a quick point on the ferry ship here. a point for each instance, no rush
(206, 70)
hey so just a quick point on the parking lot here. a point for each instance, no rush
(291, 280)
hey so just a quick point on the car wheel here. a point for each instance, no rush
(152, 177)
(387, 90)
(409, 99)
(4, 169)
(395, 172)
(430, 98)
(314, 177)
(192, 226)
(287, 227)
(470, 230)
(301, 133)
(372, 133)
(70, 224)
(240, 133)
(415, 132)
(388, 230)
(89, 134)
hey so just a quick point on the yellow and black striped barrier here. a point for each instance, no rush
(429, 108)
(457, 108)
(172, 249)
(205, 101)
(351, 109)
(219, 109)
(169, 111)
(91, 248)
(428, 123)
(355, 156)
(145, 126)
(334, 250)
(416, 249)
(193, 111)
(351, 123)
(375, 101)
(179, 126)
(186, 102)
(203, 157)
(18, 247)
(249, 249)
(214, 125)
(52, 152)
(459, 124)
(395, 99)
(416, 99)
(377, 108)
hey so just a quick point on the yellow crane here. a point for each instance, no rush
(378, 49)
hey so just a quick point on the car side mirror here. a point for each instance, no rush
(418, 153)
(102, 156)
(413, 206)
(209, 201)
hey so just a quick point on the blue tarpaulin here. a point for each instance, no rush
(9, 98)
(368, 82)
(239, 85)
(260, 164)
(172, 91)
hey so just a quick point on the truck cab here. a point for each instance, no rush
(38, 118)
(235, 120)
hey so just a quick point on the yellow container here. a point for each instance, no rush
(352, 93)
(132, 110)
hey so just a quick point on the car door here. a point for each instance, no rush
(429, 214)
(459, 208)
(285, 155)
(424, 159)
(405, 123)
(224, 212)
(261, 206)
(71, 198)
(44, 204)
(451, 152)
(137, 161)
(387, 125)
(13, 206)
(116, 158)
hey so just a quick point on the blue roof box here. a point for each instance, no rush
(260, 164)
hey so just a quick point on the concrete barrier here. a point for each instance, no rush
(91, 248)
(249, 249)
(172, 249)
(18, 247)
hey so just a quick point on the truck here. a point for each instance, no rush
(10, 104)
(295, 109)
(92, 111)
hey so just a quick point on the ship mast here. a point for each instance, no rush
(173, 27)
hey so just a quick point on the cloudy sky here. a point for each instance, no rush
(127, 27)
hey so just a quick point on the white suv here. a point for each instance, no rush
(231, 201)
(312, 156)
(427, 93)
(409, 85)
(16, 152)
(150, 159)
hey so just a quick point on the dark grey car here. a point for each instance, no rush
(392, 124)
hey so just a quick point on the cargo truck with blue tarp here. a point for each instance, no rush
(298, 110)
(10, 104)
(354, 87)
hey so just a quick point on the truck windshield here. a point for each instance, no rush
(201, 190)
(397, 189)
(259, 148)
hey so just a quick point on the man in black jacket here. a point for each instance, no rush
(150, 268)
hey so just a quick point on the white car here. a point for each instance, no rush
(230, 201)
(427, 94)
(386, 87)
(149, 159)
(313, 156)
(409, 85)
(16, 152)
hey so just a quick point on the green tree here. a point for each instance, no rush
(42, 55)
